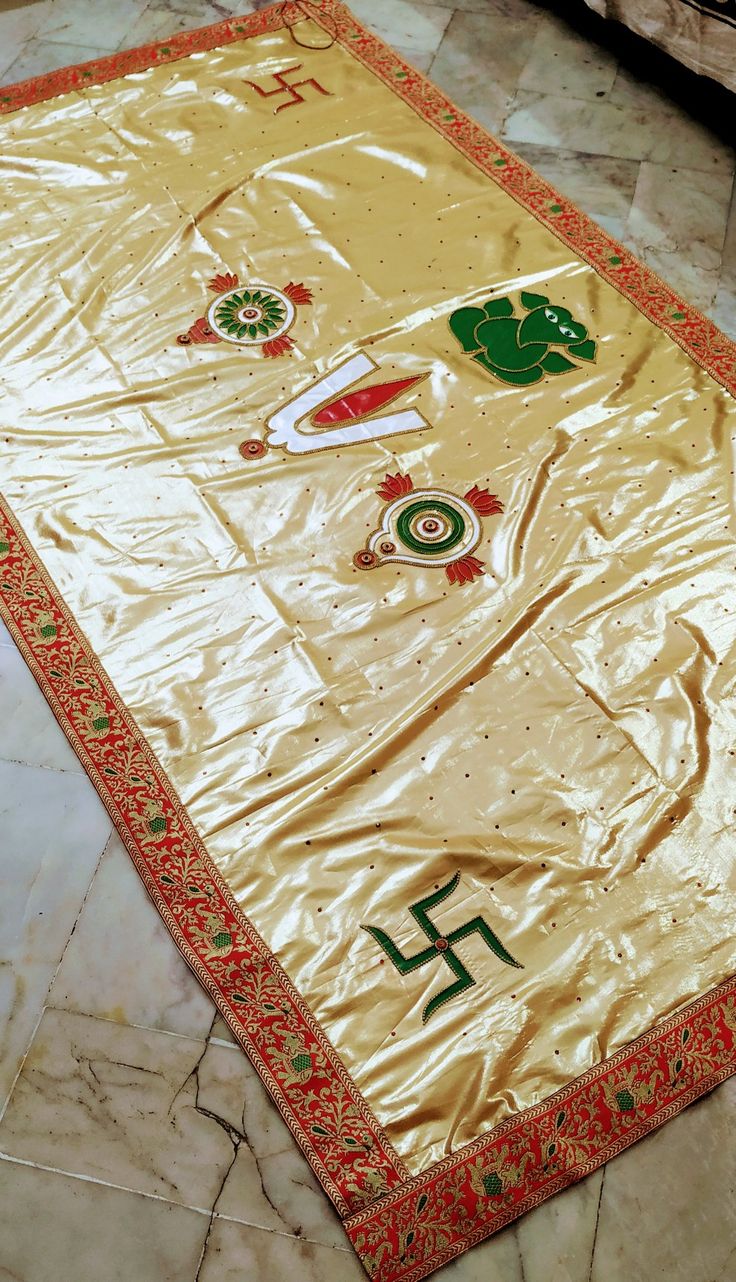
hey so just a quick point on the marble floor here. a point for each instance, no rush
(137, 1145)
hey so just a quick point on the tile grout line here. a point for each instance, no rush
(44, 1006)
(12, 1160)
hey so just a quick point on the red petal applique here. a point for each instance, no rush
(464, 570)
(199, 332)
(222, 282)
(365, 401)
(394, 486)
(298, 294)
(485, 504)
(277, 346)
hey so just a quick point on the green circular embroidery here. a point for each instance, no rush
(250, 313)
(431, 547)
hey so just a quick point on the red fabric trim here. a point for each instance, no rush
(531, 1156)
(409, 1225)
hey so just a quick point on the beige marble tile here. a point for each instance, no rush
(52, 833)
(564, 63)
(422, 61)
(235, 1253)
(57, 1229)
(603, 128)
(668, 1208)
(479, 62)
(72, 22)
(723, 310)
(159, 20)
(556, 1239)
(121, 963)
(677, 224)
(30, 732)
(166, 1116)
(602, 186)
(119, 1105)
(18, 24)
(415, 28)
(40, 56)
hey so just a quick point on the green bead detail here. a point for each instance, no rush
(48, 631)
(625, 1101)
(300, 1063)
(157, 825)
(430, 547)
(493, 1184)
(4, 547)
(101, 723)
(222, 939)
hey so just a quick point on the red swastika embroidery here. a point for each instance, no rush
(291, 90)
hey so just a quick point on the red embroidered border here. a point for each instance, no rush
(529, 1157)
(408, 1225)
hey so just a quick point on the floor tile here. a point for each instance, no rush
(563, 62)
(31, 734)
(668, 1212)
(18, 24)
(602, 186)
(139, 976)
(69, 22)
(606, 129)
(157, 21)
(57, 1229)
(119, 1105)
(479, 62)
(556, 1239)
(165, 1116)
(235, 1253)
(677, 224)
(413, 27)
(40, 56)
(723, 310)
(53, 830)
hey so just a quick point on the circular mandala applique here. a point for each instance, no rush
(251, 314)
(428, 527)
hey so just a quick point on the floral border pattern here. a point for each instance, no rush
(467, 1197)
(402, 1227)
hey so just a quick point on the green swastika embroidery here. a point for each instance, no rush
(441, 946)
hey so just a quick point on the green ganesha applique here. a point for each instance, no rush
(521, 351)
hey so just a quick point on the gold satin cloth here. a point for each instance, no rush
(560, 732)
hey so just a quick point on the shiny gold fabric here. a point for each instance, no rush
(560, 732)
